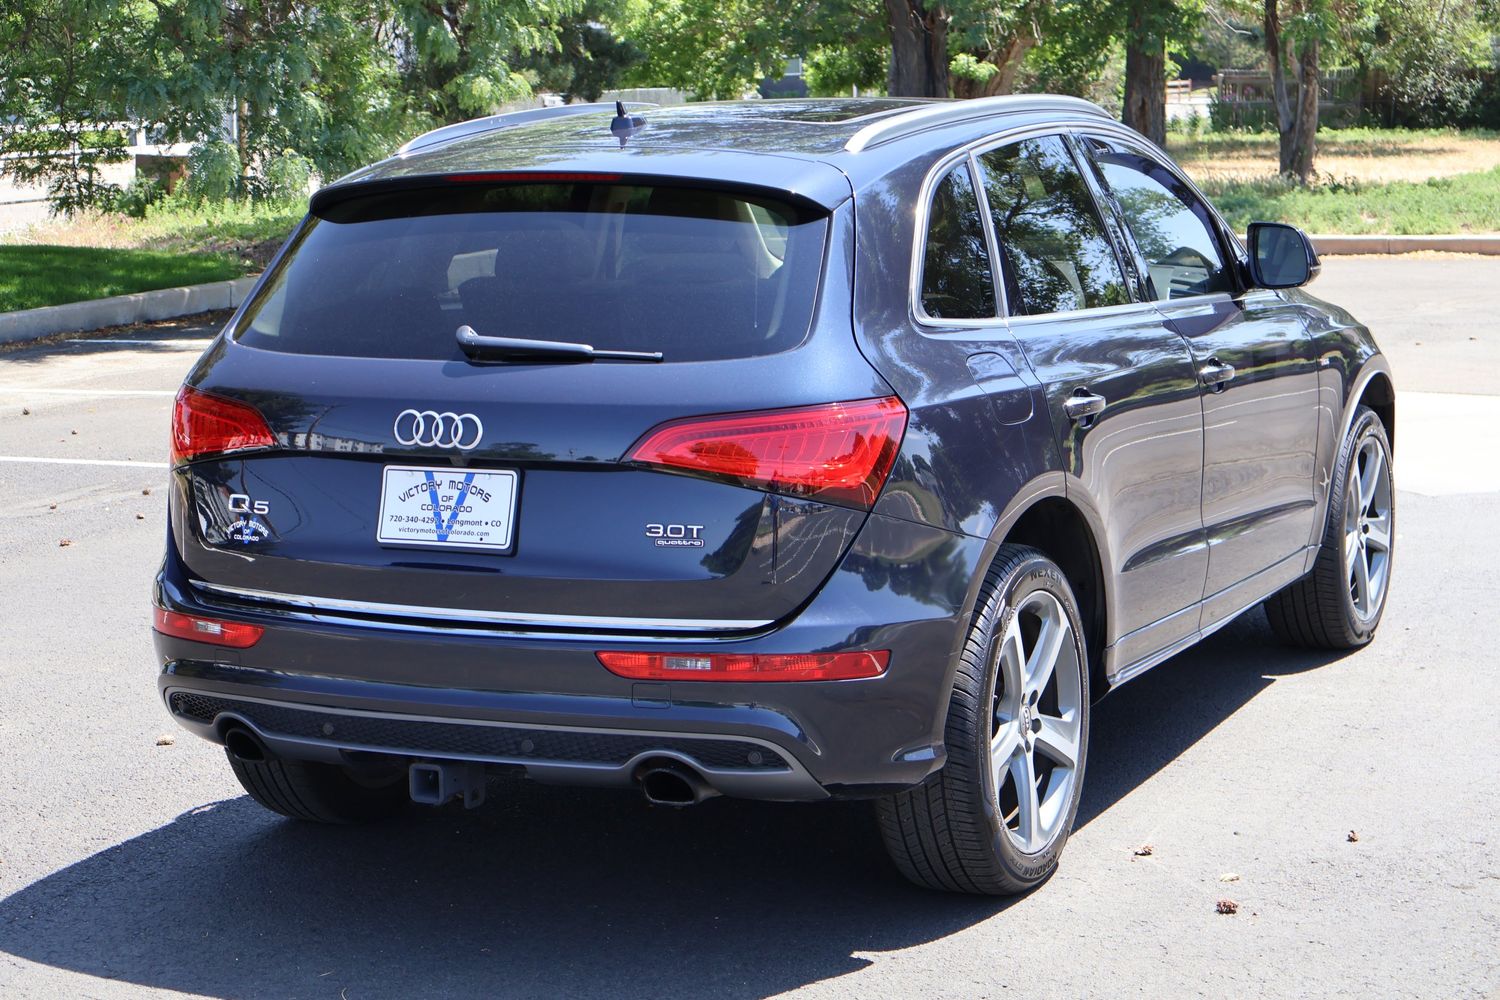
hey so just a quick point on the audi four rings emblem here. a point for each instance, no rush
(439, 430)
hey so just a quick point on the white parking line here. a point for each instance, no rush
(124, 463)
(90, 392)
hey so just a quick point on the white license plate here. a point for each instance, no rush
(448, 508)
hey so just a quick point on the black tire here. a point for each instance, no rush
(323, 793)
(950, 832)
(1318, 611)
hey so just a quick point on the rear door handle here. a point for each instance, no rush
(1215, 374)
(1083, 405)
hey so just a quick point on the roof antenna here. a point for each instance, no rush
(624, 125)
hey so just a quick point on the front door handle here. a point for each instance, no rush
(1083, 405)
(1214, 374)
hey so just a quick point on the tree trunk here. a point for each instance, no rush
(919, 49)
(1300, 146)
(1145, 80)
(1297, 125)
(1007, 61)
(242, 138)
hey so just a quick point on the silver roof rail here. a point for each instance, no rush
(448, 133)
(928, 116)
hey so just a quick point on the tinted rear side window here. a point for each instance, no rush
(1053, 249)
(956, 281)
(697, 274)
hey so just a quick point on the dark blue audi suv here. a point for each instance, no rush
(783, 450)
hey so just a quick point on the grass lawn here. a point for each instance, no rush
(39, 275)
(1398, 181)
(94, 254)
(1467, 203)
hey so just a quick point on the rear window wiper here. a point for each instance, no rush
(513, 349)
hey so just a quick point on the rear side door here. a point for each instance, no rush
(1120, 385)
(1255, 366)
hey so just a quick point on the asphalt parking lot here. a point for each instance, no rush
(129, 868)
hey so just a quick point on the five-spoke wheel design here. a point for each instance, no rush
(1036, 722)
(996, 817)
(1339, 603)
(1367, 528)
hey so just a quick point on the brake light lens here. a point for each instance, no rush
(746, 666)
(838, 452)
(205, 424)
(210, 630)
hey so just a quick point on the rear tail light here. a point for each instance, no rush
(839, 452)
(746, 666)
(205, 424)
(210, 630)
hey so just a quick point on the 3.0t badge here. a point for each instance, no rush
(676, 536)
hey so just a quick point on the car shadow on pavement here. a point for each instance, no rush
(163, 336)
(561, 892)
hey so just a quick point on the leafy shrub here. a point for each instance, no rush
(137, 197)
(213, 171)
(286, 177)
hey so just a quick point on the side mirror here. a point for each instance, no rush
(1281, 256)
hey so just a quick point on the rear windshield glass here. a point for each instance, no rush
(698, 275)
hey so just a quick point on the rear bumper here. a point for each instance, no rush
(739, 766)
(322, 690)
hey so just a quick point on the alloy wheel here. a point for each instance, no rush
(1037, 717)
(1367, 529)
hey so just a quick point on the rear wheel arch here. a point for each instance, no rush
(1058, 529)
(1379, 394)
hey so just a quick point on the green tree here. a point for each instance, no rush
(1429, 56)
(587, 59)
(719, 49)
(292, 75)
(1148, 27)
(1298, 37)
(63, 92)
(339, 82)
(458, 56)
(835, 69)
(1294, 32)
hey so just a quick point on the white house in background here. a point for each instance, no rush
(24, 205)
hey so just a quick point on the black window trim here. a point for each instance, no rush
(1063, 133)
(922, 226)
(1234, 255)
(1068, 128)
(1117, 229)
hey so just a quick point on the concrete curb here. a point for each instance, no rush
(1328, 246)
(124, 310)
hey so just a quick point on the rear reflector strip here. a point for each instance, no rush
(210, 630)
(746, 666)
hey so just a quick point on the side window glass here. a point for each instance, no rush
(956, 281)
(1170, 224)
(1054, 254)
